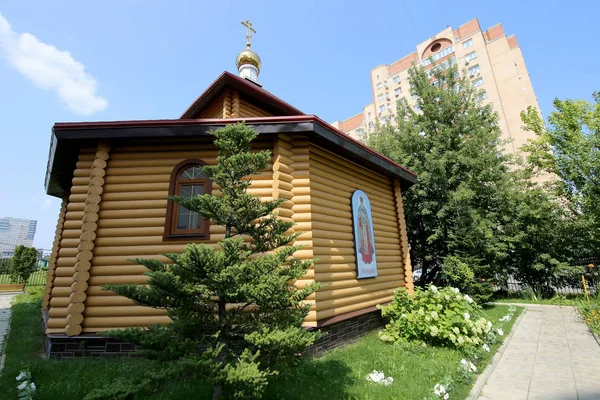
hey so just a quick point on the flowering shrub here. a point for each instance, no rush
(26, 387)
(443, 317)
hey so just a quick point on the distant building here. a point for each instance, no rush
(492, 61)
(16, 231)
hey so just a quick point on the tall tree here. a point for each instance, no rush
(452, 141)
(236, 313)
(569, 148)
(23, 263)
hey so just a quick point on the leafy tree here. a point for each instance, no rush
(4, 266)
(237, 317)
(569, 148)
(23, 263)
(452, 141)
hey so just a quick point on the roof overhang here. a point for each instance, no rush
(68, 138)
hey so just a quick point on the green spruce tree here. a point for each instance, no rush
(237, 316)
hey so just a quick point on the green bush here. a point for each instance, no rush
(460, 275)
(442, 317)
(4, 266)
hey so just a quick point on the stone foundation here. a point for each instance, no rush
(336, 332)
(91, 346)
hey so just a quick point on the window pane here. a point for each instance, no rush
(187, 219)
(194, 172)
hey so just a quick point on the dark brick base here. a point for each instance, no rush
(346, 331)
(334, 334)
(58, 346)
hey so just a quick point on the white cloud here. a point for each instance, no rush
(51, 69)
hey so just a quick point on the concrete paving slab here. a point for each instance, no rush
(551, 355)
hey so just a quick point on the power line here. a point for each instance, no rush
(412, 21)
(389, 23)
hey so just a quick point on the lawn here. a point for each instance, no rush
(339, 374)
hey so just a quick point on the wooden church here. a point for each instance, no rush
(114, 179)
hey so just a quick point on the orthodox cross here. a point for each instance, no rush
(248, 25)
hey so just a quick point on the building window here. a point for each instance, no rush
(415, 96)
(187, 180)
(380, 97)
(369, 114)
(382, 120)
(359, 132)
(396, 79)
(473, 70)
(483, 95)
(416, 107)
(397, 92)
(478, 82)
(378, 85)
(377, 76)
(472, 55)
(381, 108)
(467, 43)
(439, 55)
(371, 125)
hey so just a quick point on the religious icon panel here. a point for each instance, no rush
(364, 241)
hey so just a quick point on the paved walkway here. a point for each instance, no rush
(5, 299)
(551, 356)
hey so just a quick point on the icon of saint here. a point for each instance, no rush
(366, 247)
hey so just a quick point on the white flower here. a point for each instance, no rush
(512, 309)
(467, 316)
(500, 332)
(489, 324)
(21, 376)
(32, 386)
(439, 389)
(22, 385)
(403, 315)
(446, 396)
(468, 298)
(379, 377)
(463, 362)
(455, 290)
(434, 330)
(433, 288)
(472, 367)
(486, 347)
(434, 315)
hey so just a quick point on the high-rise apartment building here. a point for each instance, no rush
(16, 231)
(492, 61)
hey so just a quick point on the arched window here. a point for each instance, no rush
(187, 180)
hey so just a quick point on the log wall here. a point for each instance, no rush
(130, 223)
(54, 256)
(332, 182)
(231, 105)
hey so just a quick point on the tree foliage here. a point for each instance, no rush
(474, 215)
(453, 143)
(569, 148)
(23, 263)
(237, 316)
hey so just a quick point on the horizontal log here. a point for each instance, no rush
(359, 282)
(134, 204)
(330, 251)
(124, 322)
(349, 183)
(63, 271)
(63, 281)
(318, 153)
(59, 301)
(117, 280)
(147, 195)
(140, 250)
(109, 179)
(108, 301)
(56, 322)
(160, 162)
(121, 311)
(355, 299)
(131, 223)
(106, 215)
(332, 312)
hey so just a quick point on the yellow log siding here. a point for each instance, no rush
(215, 110)
(332, 182)
(60, 289)
(129, 224)
(249, 110)
(54, 256)
(409, 284)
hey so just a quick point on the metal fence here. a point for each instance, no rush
(38, 278)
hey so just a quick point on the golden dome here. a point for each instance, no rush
(248, 57)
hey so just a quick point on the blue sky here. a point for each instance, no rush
(134, 59)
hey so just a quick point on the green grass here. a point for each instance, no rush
(558, 300)
(339, 374)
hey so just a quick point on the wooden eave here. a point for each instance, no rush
(68, 138)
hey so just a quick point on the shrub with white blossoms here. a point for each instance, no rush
(379, 377)
(26, 388)
(436, 316)
(441, 391)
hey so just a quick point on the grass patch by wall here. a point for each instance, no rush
(339, 374)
